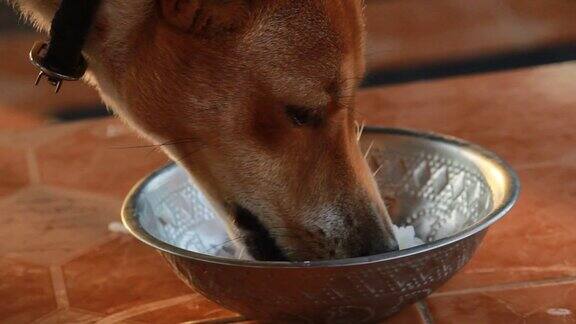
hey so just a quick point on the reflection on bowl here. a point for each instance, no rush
(450, 191)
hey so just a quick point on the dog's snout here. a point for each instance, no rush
(375, 237)
(379, 243)
(363, 232)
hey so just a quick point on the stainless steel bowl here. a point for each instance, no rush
(449, 190)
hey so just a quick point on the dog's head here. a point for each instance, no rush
(256, 100)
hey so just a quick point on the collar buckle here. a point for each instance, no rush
(53, 74)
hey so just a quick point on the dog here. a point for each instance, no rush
(255, 99)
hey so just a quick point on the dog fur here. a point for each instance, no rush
(255, 98)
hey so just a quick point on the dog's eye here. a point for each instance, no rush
(302, 116)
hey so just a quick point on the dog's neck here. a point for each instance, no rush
(119, 48)
(110, 43)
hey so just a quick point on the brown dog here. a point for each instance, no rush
(255, 99)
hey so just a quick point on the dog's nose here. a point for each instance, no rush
(383, 245)
(367, 235)
(378, 241)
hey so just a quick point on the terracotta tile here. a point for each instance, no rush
(13, 170)
(47, 226)
(119, 275)
(198, 308)
(511, 113)
(37, 136)
(550, 304)
(98, 157)
(11, 120)
(409, 315)
(535, 241)
(15, 48)
(415, 32)
(25, 291)
(68, 316)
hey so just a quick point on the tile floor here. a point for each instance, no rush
(61, 185)
(60, 263)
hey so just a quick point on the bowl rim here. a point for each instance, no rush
(130, 217)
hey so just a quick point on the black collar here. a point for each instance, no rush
(60, 59)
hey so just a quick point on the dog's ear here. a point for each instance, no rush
(205, 17)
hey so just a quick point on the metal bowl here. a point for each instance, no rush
(449, 190)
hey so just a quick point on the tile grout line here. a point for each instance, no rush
(509, 286)
(227, 320)
(86, 312)
(109, 237)
(32, 162)
(45, 318)
(145, 308)
(424, 312)
(59, 287)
